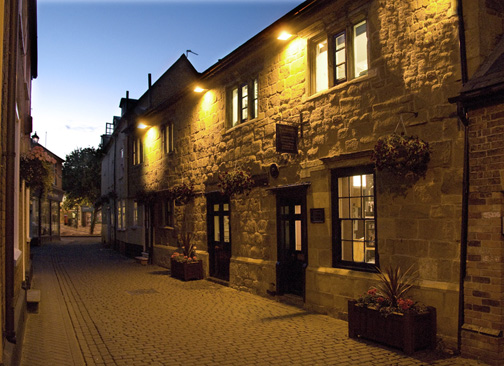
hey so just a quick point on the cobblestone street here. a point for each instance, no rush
(100, 308)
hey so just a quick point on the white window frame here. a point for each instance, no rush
(243, 102)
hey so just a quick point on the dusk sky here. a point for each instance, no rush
(90, 52)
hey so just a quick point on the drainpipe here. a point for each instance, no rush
(462, 114)
(10, 156)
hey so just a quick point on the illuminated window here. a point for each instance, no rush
(342, 59)
(121, 214)
(167, 138)
(354, 218)
(243, 103)
(137, 151)
(135, 213)
(321, 69)
(360, 49)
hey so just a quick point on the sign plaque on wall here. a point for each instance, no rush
(286, 139)
(317, 215)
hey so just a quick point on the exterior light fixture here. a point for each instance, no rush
(284, 36)
(142, 126)
(199, 89)
(35, 138)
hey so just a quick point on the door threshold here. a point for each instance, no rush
(219, 281)
(291, 299)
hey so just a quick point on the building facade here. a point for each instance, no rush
(18, 61)
(45, 210)
(303, 115)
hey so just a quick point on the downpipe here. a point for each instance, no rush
(462, 114)
(12, 9)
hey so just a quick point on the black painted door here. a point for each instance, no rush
(219, 236)
(292, 253)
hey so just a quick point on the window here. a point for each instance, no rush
(121, 214)
(135, 213)
(167, 138)
(137, 151)
(340, 57)
(344, 58)
(243, 102)
(354, 218)
(360, 49)
(167, 213)
(321, 69)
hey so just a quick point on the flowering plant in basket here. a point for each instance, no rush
(389, 295)
(406, 156)
(236, 181)
(182, 192)
(37, 169)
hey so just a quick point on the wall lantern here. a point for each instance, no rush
(35, 138)
(199, 89)
(284, 36)
(142, 126)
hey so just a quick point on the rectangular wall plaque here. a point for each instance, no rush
(317, 215)
(286, 138)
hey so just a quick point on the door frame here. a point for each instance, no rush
(214, 198)
(286, 193)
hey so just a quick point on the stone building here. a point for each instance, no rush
(18, 63)
(45, 211)
(303, 114)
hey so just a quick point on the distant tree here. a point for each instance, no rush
(82, 180)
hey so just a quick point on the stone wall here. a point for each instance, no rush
(413, 58)
(483, 328)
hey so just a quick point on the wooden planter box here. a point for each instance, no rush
(409, 332)
(187, 271)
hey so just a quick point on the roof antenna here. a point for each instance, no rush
(189, 51)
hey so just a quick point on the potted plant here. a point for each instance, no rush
(236, 181)
(182, 193)
(404, 156)
(384, 314)
(37, 170)
(186, 265)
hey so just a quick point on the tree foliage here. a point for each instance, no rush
(82, 177)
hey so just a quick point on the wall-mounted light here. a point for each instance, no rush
(35, 138)
(199, 89)
(284, 36)
(142, 126)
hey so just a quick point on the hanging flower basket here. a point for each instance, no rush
(182, 193)
(37, 169)
(404, 156)
(237, 181)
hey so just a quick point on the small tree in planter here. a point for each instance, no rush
(404, 156)
(186, 265)
(235, 181)
(385, 315)
(37, 170)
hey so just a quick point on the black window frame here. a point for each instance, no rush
(168, 217)
(338, 262)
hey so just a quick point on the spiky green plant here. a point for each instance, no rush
(394, 283)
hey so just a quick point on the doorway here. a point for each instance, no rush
(291, 242)
(219, 235)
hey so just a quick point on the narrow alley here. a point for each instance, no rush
(100, 308)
